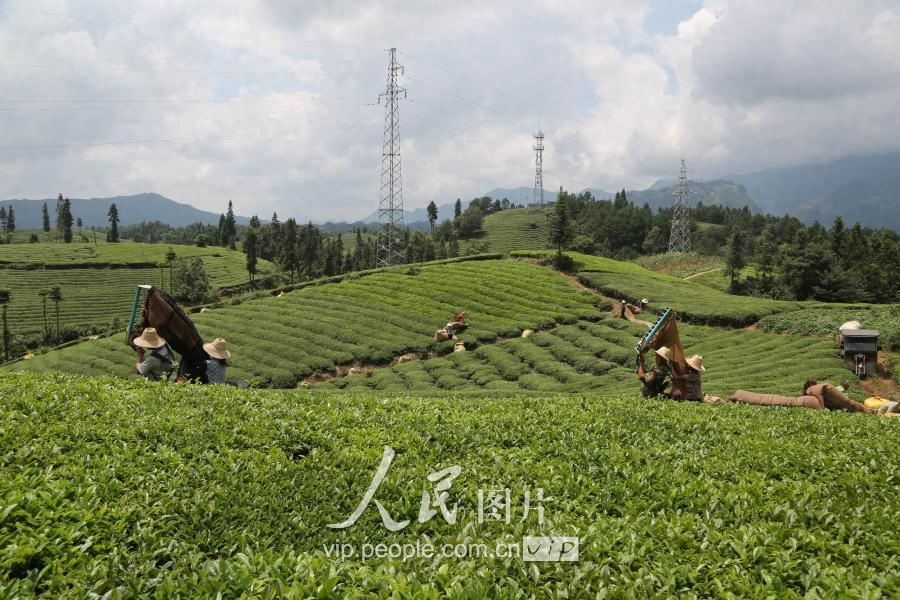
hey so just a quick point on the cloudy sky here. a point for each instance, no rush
(274, 104)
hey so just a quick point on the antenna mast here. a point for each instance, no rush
(539, 168)
(680, 239)
(389, 248)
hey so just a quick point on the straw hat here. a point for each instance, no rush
(696, 362)
(664, 352)
(644, 302)
(149, 339)
(218, 348)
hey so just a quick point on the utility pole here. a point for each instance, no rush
(539, 168)
(389, 246)
(680, 238)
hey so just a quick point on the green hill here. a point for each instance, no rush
(98, 281)
(135, 489)
(350, 333)
(513, 229)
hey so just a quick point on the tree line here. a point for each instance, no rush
(789, 260)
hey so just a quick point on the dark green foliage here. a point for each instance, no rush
(190, 281)
(113, 215)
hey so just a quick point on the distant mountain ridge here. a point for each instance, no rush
(132, 209)
(856, 188)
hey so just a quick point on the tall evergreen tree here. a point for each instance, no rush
(45, 218)
(59, 217)
(288, 255)
(67, 221)
(560, 230)
(457, 208)
(432, 214)
(113, 215)
(10, 221)
(229, 229)
(251, 248)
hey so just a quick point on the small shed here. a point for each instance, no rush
(859, 348)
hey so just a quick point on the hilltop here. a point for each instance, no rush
(132, 209)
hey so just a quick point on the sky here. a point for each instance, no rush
(275, 104)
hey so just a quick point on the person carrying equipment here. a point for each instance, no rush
(159, 363)
(655, 381)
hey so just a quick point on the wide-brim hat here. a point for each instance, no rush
(696, 362)
(644, 301)
(218, 348)
(664, 352)
(149, 339)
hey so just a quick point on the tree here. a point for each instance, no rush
(59, 217)
(56, 296)
(43, 294)
(457, 208)
(735, 260)
(191, 282)
(79, 224)
(170, 261)
(67, 221)
(229, 229)
(113, 214)
(560, 230)
(432, 214)
(4, 301)
(254, 222)
(469, 223)
(45, 218)
(288, 255)
(251, 243)
(10, 221)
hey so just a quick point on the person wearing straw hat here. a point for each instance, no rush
(692, 384)
(654, 381)
(159, 362)
(218, 360)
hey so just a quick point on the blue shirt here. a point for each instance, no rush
(215, 371)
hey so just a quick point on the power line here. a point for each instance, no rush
(70, 14)
(185, 140)
(182, 71)
(469, 100)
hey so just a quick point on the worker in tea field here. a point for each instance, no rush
(159, 362)
(831, 396)
(218, 360)
(655, 381)
(691, 388)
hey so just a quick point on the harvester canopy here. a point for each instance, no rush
(161, 312)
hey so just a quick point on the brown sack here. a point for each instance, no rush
(776, 400)
(441, 335)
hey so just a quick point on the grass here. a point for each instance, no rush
(98, 282)
(135, 489)
(514, 229)
(825, 322)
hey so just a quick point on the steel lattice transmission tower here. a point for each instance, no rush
(680, 239)
(389, 248)
(539, 168)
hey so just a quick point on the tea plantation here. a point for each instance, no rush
(125, 489)
(98, 282)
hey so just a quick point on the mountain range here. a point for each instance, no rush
(132, 209)
(856, 188)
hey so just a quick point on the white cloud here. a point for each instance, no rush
(272, 103)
